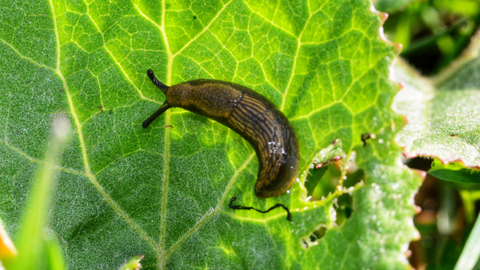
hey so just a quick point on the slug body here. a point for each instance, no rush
(249, 114)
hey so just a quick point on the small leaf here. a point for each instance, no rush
(31, 240)
(54, 254)
(471, 252)
(133, 263)
(454, 172)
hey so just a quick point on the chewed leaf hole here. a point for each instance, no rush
(332, 172)
(341, 210)
(343, 207)
(313, 238)
(332, 154)
(336, 178)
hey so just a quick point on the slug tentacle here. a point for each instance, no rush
(165, 106)
(249, 114)
(157, 83)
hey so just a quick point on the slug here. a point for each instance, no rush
(249, 114)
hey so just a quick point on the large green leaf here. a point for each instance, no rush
(163, 192)
(443, 112)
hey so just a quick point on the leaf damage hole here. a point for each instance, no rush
(332, 174)
(341, 210)
(313, 238)
(343, 207)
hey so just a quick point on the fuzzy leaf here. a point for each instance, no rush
(443, 113)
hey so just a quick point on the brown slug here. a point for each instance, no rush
(248, 113)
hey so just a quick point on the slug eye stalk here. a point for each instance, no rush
(165, 106)
(157, 83)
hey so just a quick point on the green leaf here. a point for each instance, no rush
(54, 253)
(471, 252)
(469, 199)
(443, 116)
(454, 172)
(163, 192)
(32, 242)
(133, 263)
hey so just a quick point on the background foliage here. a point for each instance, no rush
(443, 124)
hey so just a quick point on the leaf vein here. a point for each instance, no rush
(210, 214)
(83, 148)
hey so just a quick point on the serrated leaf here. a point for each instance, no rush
(163, 191)
(443, 113)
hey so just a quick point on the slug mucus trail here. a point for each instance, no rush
(249, 114)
